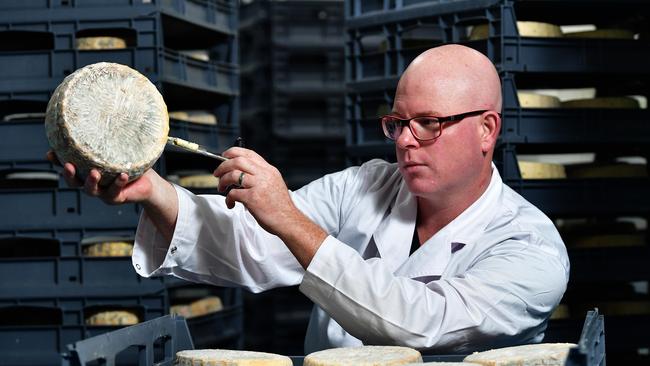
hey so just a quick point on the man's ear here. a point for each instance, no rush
(490, 127)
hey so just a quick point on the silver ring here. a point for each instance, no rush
(240, 183)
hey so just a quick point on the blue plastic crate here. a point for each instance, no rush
(61, 208)
(216, 15)
(314, 70)
(299, 116)
(382, 43)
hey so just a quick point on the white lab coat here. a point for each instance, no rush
(489, 278)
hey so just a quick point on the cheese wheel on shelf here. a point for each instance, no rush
(224, 357)
(15, 117)
(534, 100)
(201, 55)
(525, 29)
(109, 117)
(602, 34)
(547, 354)
(195, 116)
(443, 364)
(536, 170)
(603, 102)
(363, 356)
(561, 312)
(100, 43)
(614, 170)
(112, 318)
(108, 249)
(199, 181)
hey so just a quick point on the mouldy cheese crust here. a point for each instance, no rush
(547, 354)
(363, 356)
(224, 357)
(110, 117)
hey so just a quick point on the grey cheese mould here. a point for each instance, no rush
(109, 117)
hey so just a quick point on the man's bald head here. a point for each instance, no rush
(457, 78)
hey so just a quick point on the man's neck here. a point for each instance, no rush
(435, 213)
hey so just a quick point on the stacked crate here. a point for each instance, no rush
(293, 86)
(50, 283)
(384, 36)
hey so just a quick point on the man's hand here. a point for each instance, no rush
(260, 187)
(157, 196)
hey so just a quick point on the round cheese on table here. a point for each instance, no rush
(117, 317)
(602, 34)
(443, 364)
(534, 100)
(109, 117)
(547, 354)
(224, 357)
(363, 356)
(525, 29)
(100, 43)
(603, 102)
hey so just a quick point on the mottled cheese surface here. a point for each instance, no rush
(546, 354)
(224, 357)
(363, 356)
(110, 117)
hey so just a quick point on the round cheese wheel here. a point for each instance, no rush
(603, 102)
(535, 170)
(109, 117)
(614, 170)
(224, 357)
(200, 117)
(525, 29)
(119, 317)
(199, 181)
(603, 34)
(443, 364)
(547, 354)
(534, 100)
(363, 356)
(109, 249)
(100, 43)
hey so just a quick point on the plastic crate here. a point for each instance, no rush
(607, 265)
(299, 116)
(297, 23)
(64, 242)
(67, 276)
(216, 15)
(303, 162)
(315, 71)
(61, 208)
(44, 344)
(174, 73)
(384, 41)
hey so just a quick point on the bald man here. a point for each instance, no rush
(433, 252)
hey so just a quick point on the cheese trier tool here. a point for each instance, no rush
(193, 147)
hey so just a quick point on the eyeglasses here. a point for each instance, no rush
(423, 128)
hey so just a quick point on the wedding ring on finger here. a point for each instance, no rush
(240, 182)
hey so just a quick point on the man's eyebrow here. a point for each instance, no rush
(427, 113)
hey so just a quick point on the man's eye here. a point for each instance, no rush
(426, 121)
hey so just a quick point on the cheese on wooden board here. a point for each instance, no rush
(603, 102)
(602, 34)
(363, 356)
(224, 357)
(525, 29)
(109, 117)
(544, 354)
(100, 43)
(534, 100)
(535, 170)
(117, 317)
(195, 116)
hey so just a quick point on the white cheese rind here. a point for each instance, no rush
(224, 357)
(546, 354)
(109, 117)
(363, 356)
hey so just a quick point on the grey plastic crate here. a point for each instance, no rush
(216, 15)
(308, 71)
(299, 116)
(61, 208)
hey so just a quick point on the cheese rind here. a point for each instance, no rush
(109, 117)
(603, 102)
(536, 170)
(525, 29)
(602, 34)
(534, 100)
(199, 181)
(108, 249)
(100, 43)
(118, 317)
(547, 354)
(195, 116)
(363, 356)
(224, 357)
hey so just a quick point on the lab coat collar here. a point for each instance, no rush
(394, 235)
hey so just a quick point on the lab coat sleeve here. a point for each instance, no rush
(508, 292)
(227, 247)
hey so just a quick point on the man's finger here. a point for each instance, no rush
(114, 191)
(70, 177)
(92, 183)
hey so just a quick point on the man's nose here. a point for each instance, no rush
(406, 140)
